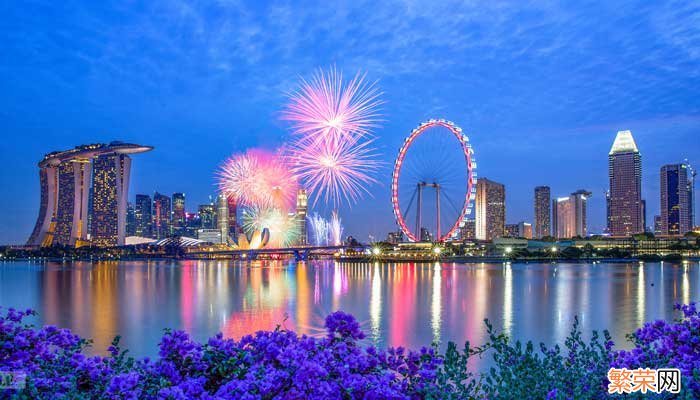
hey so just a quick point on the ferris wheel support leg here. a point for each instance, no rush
(418, 211)
(437, 198)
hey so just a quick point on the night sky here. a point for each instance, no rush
(541, 88)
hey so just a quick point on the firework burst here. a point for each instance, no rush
(336, 171)
(258, 178)
(283, 228)
(332, 153)
(328, 107)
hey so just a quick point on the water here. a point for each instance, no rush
(397, 304)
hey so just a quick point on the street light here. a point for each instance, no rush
(376, 251)
(437, 250)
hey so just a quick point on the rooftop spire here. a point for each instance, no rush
(624, 143)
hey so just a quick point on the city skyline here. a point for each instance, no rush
(542, 87)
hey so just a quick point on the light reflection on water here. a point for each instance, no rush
(397, 304)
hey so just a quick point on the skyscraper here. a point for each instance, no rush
(542, 211)
(143, 215)
(676, 199)
(130, 219)
(468, 231)
(302, 207)
(161, 216)
(490, 209)
(110, 185)
(178, 213)
(71, 215)
(233, 230)
(222, 216)
(512, 231)
(569, 215)
(207, 216)
(625, 201)
(65, 178)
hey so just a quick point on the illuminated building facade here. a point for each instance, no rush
(72, 210)
(625, 209)
(130, 219)
(468, 231)
(161, 216)
(519, 230)
(676, 200)
(179, 221)
(543, 198)
(222, 217)
(233, 229)
(207, 216)
(569, 217)
(490, 209)
(64, 210)
(110, 184)
(144, 215)
(511, 231)
(301, 210)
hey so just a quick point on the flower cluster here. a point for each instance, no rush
(660, 344)
(275, 364)
(280, 364)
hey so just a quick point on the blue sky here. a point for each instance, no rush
(541, 87)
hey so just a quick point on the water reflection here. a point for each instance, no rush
(410, 304)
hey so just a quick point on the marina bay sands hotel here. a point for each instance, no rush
(87, 183)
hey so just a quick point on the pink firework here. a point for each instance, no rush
(332, 154)
(258, 178)
(326, 107)
(335, 170)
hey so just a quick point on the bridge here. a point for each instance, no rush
(300, 253)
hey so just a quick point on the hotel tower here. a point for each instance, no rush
(67, 181)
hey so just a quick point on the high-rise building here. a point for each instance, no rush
(511, 231)
(657, 224)
(625, 202)
(222, 216)
(543, 198)
(520, 230)
(233, 229)
(569, 215)
(130, 219)
(110, 185)
(193, 224)
(161, 216)
(178, 202)
(143, 215)
(302, 207)
(490, 209)
(71, 215)
(676, 199)
(468, 231)
(525, 230)
(207, 216)
(65, 178)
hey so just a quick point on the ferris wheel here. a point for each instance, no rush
(435, 170)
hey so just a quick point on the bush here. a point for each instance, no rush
(281, 364)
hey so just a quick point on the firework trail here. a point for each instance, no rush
(335, 229)
(319, 229)
(258, 178)
(283, 228)
(326, 107)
